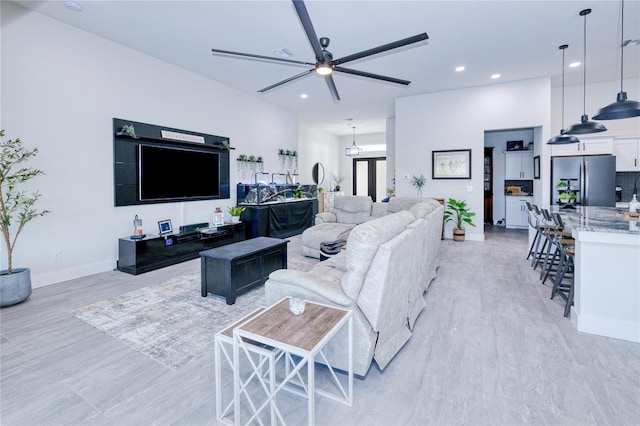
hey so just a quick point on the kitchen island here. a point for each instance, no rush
(607, 271)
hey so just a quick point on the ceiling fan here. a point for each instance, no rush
(325, 65)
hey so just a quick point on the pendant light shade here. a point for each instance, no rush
(585, 126)
(563, 139)
(354, 150)
(621, 108)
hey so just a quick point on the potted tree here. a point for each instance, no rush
(17, 208)
(458, 212)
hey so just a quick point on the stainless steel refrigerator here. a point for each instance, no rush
(589, 179)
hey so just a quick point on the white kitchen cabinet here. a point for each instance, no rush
(519, 165)
(586, 146)
(516, 211)
(627, 152)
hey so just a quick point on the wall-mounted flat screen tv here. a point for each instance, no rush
(169, 173)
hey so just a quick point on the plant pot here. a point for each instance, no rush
(458, 234)
(235, 219)
(16, 287)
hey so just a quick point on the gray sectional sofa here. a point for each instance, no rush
(381, 276)
(349, 211)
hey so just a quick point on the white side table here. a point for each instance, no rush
(302, 335)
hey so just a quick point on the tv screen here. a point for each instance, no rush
(178, 174)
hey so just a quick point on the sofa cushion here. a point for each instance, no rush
(352, 209)
(362, 244)
(312, 237)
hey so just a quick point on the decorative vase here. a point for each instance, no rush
(337, 188)
(458, 234)
(15, 287)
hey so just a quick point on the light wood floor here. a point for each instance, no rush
(490, 348)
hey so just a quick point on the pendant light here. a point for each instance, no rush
(585, 126)
(563, 139)
(621, 108)
(354, 150)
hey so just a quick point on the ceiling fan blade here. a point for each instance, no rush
(295, 77)
(332, 88)
(268, 58)
(380, 49)
(305, 20)
(370, 75)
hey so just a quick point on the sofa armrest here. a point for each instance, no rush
(323, 288)
(325, 218)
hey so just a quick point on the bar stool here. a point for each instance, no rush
(535, 224)
(554, 234)
(565, 272)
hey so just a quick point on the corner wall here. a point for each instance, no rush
(61, 87)
(457, 119)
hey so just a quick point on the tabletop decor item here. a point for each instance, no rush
(418, 182)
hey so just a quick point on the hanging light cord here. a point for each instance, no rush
(621, 44)
(562, 131)
(584, 69)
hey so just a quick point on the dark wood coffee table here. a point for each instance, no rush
(235, 268)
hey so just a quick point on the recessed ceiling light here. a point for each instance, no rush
(574, 64)
(459, 69)
(495, 76)
(304, 96)
(283, 53)
(72, 5)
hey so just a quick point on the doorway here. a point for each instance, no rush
(488, 185)
(370, 177)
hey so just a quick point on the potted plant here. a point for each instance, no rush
(17, 208)
(235, 212)
(458, 212)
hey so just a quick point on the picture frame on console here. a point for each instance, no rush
(451, 164)
(165, 227)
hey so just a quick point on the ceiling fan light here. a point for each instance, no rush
(621, 108)
(324, 69)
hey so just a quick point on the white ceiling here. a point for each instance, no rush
(518, 39)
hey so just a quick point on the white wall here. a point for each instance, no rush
(317, 146)
(61, 87)
(457, 119)
(391, 151)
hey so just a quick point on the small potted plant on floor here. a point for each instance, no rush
(17, 208)
(235, 212)
(458, 212)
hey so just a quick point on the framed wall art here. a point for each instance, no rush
(451, 164)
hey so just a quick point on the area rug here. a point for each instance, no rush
(170, 322)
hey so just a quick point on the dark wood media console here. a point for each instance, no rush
(156, 251)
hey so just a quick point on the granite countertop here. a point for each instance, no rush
(598, 219)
